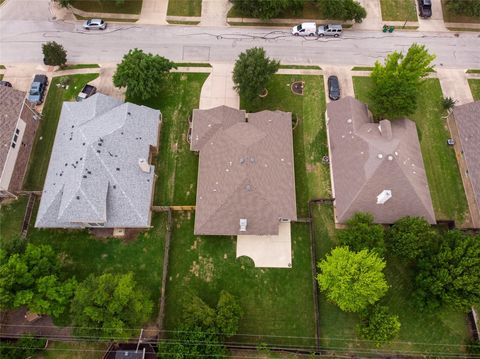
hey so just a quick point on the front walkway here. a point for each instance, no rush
(154, 12)
(214, 12)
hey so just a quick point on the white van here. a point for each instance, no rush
(305, 29)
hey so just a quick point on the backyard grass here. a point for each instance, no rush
(176, 165)
(449, 16)
(446, 188)
(73, 350)
(475, 88)
(441, 332)
(312, 179)
(276, 302)
(184, 8)
(40, 157)
(398, 10)
(109, 6)
(79, 66)
(83, 254)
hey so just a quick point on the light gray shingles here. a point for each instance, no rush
(93, 173)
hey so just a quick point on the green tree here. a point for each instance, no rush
(110, 306)
(379, 325)
(361, 233)
(24, 347)
(54, 54)
(266, 9)
(142, 74)
(449, 272)
(32, 279)
(464, 7)
(196, 313)
(397, 83)
(352, 280)
(229, 313)
(342, 10)
(409, 236)
(252, 72)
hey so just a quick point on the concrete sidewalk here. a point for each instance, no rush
(218, 88)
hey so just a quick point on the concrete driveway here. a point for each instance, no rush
(218, 89)
(373, 21)
(434, 23)
(268, 251)
(344, 78)
(454, 84)
(104, 83)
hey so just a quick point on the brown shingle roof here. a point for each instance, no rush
(11, 101)
(368, 158)
(467, 119)
(245, 171)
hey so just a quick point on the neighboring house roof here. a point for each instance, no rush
(94, 174)
(376, 167)
(11, 102)
(467, 119)
(245, 171)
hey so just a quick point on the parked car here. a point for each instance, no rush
(38, 89)
(93, 24)
(425, 8)
(329, 30)
(87, 91)
(333, 88)
(305, 29)
(5, 83)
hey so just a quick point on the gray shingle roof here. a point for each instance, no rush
(94, 175)
(245, 171)
(368, 158)
(467, 119)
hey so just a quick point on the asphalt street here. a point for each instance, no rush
(23, 32)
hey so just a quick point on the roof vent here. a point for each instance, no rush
(380, 156)
(144, 166)
(384, 196)
(243, 225)
(390, 157)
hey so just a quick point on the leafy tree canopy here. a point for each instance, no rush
(464, 7)
(343, 10)
(352, 280)
(397, 83)
(362, 233)
(54, 54)
(379, 325)
(142, 74)
(449, 272)
(252, 71)
(109, 306)
(266, 9)
(25, 347)
(409, 236)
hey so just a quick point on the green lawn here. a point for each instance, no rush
(362, 68)
(184, 8)
(309, 11)
(301, 67)
(74, 350)
(449, 16)
(109, 6)
(443, 175)
(444, 331)
(82, 254)
(312, 179)
(79, 66)
(192, 64)
(398, 10)
(276, 302)
(475, 88)
(40, 157)
(176, 165)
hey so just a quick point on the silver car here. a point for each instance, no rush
(91, 24)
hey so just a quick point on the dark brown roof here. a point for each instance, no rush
(467, 119)
(11, 101)
(245, 171)
(369, 158)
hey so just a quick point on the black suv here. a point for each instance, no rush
(425, 8)
(333, 88)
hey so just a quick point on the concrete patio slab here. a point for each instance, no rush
(218, 88)
(268, 251)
